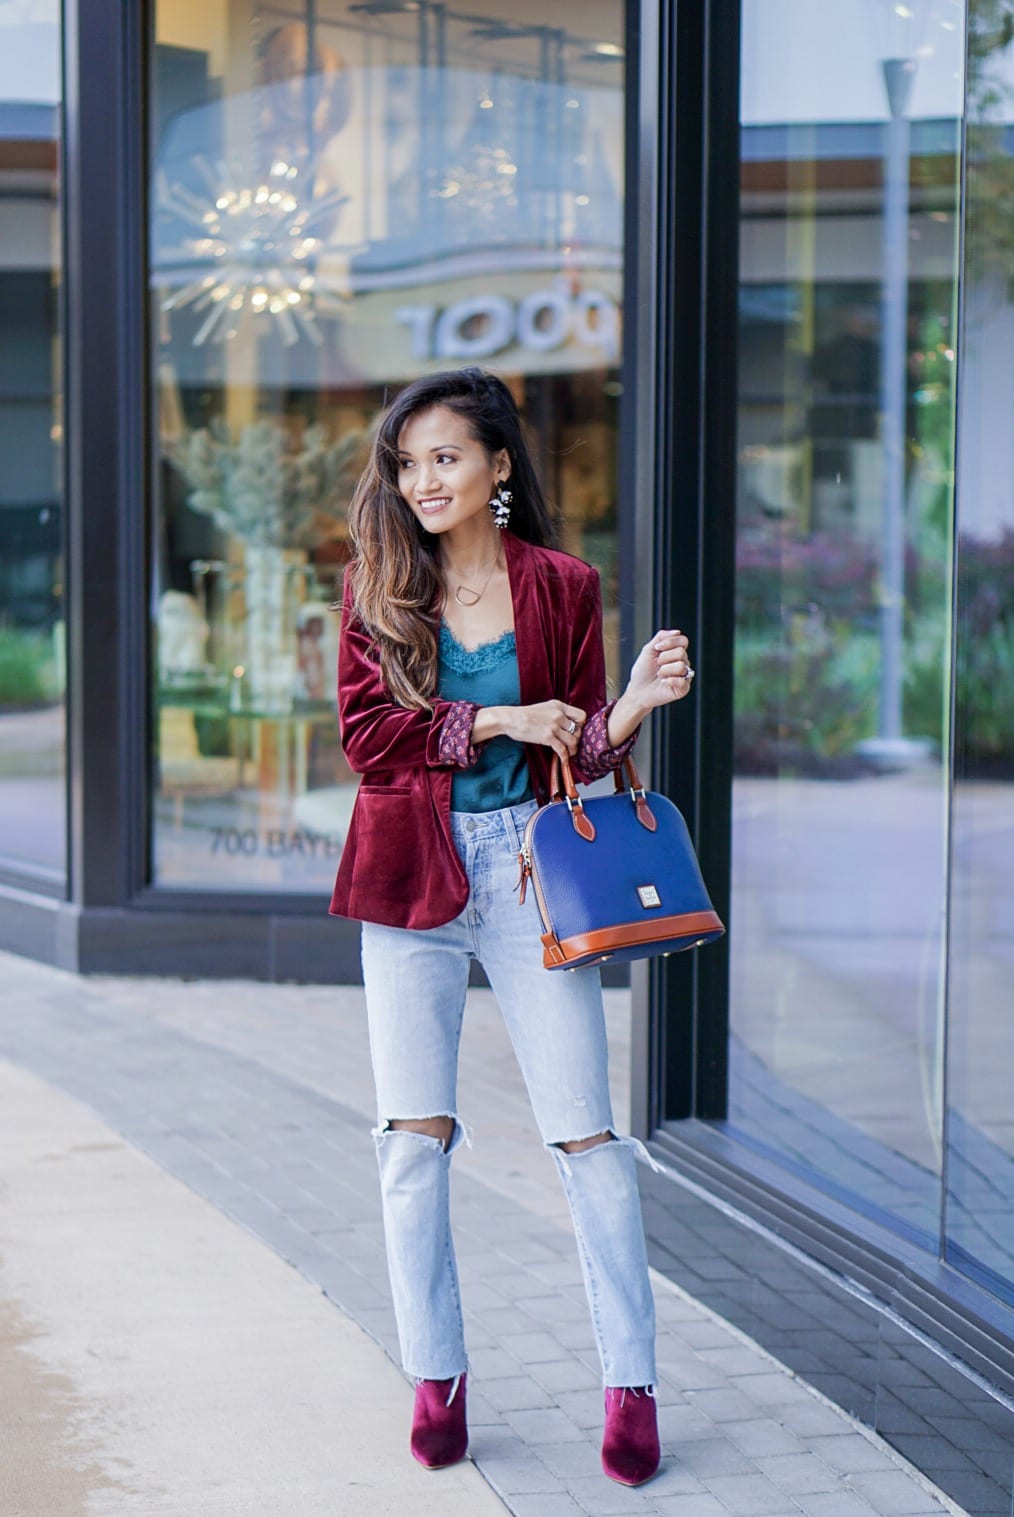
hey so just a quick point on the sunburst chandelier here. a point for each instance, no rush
(254, 251)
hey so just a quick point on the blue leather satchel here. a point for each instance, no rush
(615, 876)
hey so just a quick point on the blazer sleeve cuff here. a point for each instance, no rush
(594, 756)
(455, 749)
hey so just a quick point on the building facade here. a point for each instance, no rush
(748, 270)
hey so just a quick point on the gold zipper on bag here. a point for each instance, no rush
(528, 873)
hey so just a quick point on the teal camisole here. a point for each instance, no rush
(487, 675)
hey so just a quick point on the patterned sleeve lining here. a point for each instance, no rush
(595, 757)
(456, 748)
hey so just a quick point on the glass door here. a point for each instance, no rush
(33, 795)
(851, 133)
(344, 196)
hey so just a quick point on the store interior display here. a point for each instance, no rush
(341, 200)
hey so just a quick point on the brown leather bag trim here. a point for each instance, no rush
(628, 935)
(552, 953)
(645, 815)
(583, 824)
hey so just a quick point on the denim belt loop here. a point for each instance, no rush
(515, 821)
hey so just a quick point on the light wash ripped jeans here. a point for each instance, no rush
(415, 992)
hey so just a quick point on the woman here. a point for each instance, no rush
(471, 652)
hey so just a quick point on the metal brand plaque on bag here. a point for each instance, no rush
(648, 895)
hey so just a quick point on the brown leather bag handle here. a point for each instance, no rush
(560, 776)
(628, 768)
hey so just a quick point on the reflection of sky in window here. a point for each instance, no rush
(30, 51)
(806, 62)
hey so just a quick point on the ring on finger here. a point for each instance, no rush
(572, 726)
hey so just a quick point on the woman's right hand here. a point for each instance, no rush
(549, 724)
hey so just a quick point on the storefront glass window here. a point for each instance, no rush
(848, 295)
(980, 1115)
(343, 197)
(33, 808)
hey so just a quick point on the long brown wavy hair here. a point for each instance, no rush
(395, 575)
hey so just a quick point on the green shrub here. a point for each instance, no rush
(805, 697)
(923, 696)
(26, 668)
(985, 727)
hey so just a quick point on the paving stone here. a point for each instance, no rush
(763, 1437)
(723, 1405)
(586, 1407)
(520, 1475)
(495, 1441)
(601, 1497)
(679, 1422)
(536, 1251)
(834, 1504)
(481, 1413)
(548, 1426)
(691, 1506)
(575, 1335)
(708, 1457)
(532, 1348)
(749, 1495)
(567, 1459)
(891, 1493)
(516, 1394)
(774, 1388)
(734, 1360)
(964, 1433)
(809, 1418)
(565, 1374)
(546, 1506)
(509, 1284)
(929, 1453)
(556, 1308)
(557, 1272)
(480, 1297)
(698, 1328)
(673, 1480)
(502, 1322)
(672, 1305)
(686, 1372)
(492, 1364)
(848, 1452)
(999, 1467)
(798, 1473)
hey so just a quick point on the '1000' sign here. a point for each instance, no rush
(481, 325)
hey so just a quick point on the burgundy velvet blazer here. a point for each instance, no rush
(399, 865)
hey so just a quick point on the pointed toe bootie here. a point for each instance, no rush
(630, 1450)
(439, 1429)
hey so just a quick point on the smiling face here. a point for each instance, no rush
(444, 473)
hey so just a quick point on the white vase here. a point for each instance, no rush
(272, 588)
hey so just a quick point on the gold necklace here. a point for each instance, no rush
(461, 591)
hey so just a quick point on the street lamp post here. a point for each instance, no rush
(898, 77)
(889, 748)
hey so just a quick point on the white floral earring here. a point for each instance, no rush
(500, 505)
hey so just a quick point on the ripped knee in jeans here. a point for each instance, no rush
(581, 1145)
(442, 1128)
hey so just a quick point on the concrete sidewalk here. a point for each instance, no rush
(155, 1358)
(167, 1361)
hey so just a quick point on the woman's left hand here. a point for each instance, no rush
(662, 672)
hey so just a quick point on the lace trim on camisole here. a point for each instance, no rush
(474, 660)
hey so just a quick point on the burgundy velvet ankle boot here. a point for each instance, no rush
(439, 1429)
(630, 1451)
